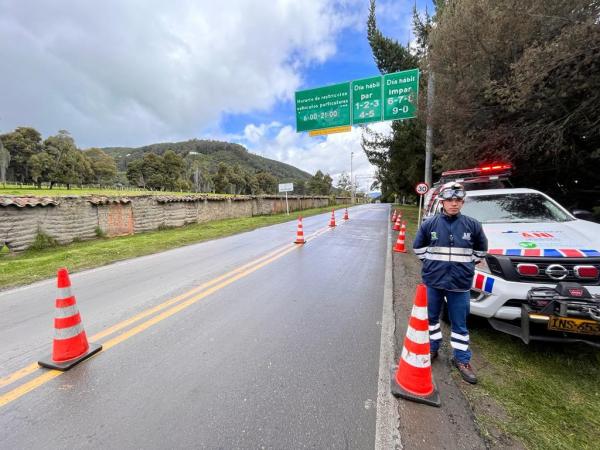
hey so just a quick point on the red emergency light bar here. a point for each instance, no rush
(496, 168)
(487, 169)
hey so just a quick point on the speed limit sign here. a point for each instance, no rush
(421, 188)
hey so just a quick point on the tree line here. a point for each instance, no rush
(27, 158)
(515, 80)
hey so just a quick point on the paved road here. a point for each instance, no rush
(280, 352)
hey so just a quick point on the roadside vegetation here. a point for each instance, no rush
(42, 261)
(545, 394)
(515, 81)
(15, 189)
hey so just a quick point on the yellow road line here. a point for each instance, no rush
(42, 379)
(9, 379)
(28, 370)
(27, 387)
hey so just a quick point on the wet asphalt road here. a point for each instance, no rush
(285, 356)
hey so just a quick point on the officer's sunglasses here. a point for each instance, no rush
(453, 193)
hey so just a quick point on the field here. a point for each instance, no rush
(62, 191)
(546, 395)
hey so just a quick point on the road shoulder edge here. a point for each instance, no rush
(387, 425)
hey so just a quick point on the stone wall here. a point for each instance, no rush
(66, 219)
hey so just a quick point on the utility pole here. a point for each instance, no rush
(351, 180)
(429, 132)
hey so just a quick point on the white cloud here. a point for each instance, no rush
(330, 154)
(136, 72)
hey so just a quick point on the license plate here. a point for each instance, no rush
(580, 326)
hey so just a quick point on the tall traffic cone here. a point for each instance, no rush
(394, 217)
(299, 232)
(412, 378)
(396, 226)
(332, 221)
(346, 215)
(70, 344)
(399, 247)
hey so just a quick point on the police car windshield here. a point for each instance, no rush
(525, 207)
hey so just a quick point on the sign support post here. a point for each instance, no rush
(287, 207)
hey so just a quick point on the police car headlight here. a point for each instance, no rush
(482, 266)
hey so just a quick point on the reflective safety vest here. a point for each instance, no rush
(449, 247)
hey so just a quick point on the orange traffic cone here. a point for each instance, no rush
(300, 232)
(412, 378)
(399, 247)
(346, 215)
(332, 221)
(394, 217)
(396, 226)
(70, 344)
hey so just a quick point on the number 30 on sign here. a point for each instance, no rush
(422, 188)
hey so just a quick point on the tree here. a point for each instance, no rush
(173, 167)
(154, 171)
(320, 184)
(532, 99)
(221, 178)
(344, 184)
(69, 166)
(267, 183)
(135, 173)
(22, 143)
(4, 162)
(41, 168)
(103, 166)
(399, 158)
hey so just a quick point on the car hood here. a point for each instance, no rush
(549, 237)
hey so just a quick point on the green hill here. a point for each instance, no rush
(211, 153)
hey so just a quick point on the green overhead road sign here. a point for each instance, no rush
(323, 107)
(389, 97)
(400, 94)
(367, 104)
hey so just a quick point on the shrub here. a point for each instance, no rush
(42, 241)
(99, 232)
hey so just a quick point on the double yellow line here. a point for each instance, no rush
(168, 308)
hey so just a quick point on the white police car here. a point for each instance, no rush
(541, 278)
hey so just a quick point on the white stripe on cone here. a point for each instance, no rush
(420, 361)
(418, 337)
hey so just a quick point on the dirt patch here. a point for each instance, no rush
(467, 415)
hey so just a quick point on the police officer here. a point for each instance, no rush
(450, 244)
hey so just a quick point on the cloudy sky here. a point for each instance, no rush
(133, 72)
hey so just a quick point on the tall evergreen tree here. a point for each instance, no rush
(399, 158)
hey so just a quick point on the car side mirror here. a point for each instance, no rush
(583, 214)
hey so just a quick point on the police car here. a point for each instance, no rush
(541, 277)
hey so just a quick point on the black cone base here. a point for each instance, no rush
(66, 365)
(432, 399)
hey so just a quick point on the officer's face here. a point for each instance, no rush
(452, 206)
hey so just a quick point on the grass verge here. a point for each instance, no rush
(34, 265)
(550, 392)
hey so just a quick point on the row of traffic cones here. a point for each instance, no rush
(411, 379)
(300, 231)
(70, 345)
